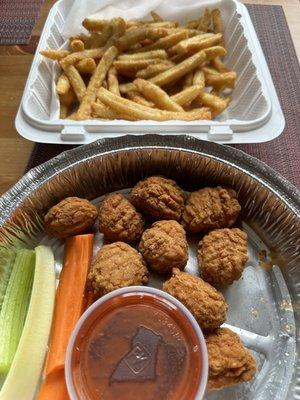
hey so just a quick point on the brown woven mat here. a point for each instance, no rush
(17, 20)
(283, 153)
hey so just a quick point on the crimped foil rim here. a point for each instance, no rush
(249, 165)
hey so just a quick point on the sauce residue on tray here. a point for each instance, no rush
(136, 346)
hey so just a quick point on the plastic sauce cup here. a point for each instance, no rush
(136, 343)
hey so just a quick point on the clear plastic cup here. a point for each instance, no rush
(136, 343)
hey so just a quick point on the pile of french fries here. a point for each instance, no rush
(145, 70)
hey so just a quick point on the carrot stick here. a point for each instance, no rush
(69, 302)
(54, 386)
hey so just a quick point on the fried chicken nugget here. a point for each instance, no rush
(119, 220)
(230, 362)
(206, 304)
(159, 198)
(222, 255)
(69, 217)
(210, 208)
(117, 265)
(164, 246)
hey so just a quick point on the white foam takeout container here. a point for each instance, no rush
(253, 116)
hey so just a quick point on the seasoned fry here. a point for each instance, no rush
(179, 70)
(226, 79)
(188, 80)
(191, 45)
(167, 41)
(156, 17)
(130, 38)
(205, 21)
(86, 66)
(158, 96)
(139, 99)
(217, 21)
(63, 84)
(55, 54)
(212, 101)
(95, 83)
(73, 116)
(80, 55)
(152, 70)
(218, 64)
(163, 24)
(102, 111)
(118, 29)
(68, 98)
(215, 51)
(144, 55)
(130, 67)
(138, 111)
(77, 45)
(112, 80)
(187, 95)
(182, 46)
(199, 78)
(86, 39)
(75, 79)
(95, 25)
(210, 71)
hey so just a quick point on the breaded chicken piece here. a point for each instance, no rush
(158, 198)
(222, 255)
(229, 361)
(70, 217)
(117, 265)
(119, 220)
(206, 304)
(210, 208)
(164, 246)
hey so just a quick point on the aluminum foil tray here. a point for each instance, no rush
(264, 305)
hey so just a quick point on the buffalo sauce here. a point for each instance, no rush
(136, 346)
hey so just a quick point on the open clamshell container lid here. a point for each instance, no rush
(264, 306)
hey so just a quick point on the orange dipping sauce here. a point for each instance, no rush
(136, 345)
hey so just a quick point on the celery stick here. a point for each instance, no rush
(14, 307)
(25, 371)
(7, 258)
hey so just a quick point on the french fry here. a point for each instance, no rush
(205, 21)
(162, 24)
(75, 79)
(55, 54)
(130, 38)
(77, 45)
(86, 66)
(212, 101)
(158, 96)
(217, 21)
(226, 79)
(95, 25)
(210, 71)
(80, 55)
(144, 55)
(139, 99)
(130, 67)
(188, 80)
(86, 39)
(68, 98)
(118, 29)
(218, 64)
(199, 78)
(167, 41)
(215, 51)
(63, 111)
(102, 111)
(193, 24)
(156, 17)
(112, 80)
(182, 46)
(95, 83)
(179, 70)
(187, 95)
(191, 45)
(121, 105)
(73, 116)
(152, 70)
(63, 84)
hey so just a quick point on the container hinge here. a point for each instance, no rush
(73, 132)
(220, 132)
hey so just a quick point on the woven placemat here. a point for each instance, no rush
(17, 20)
(282, 154)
